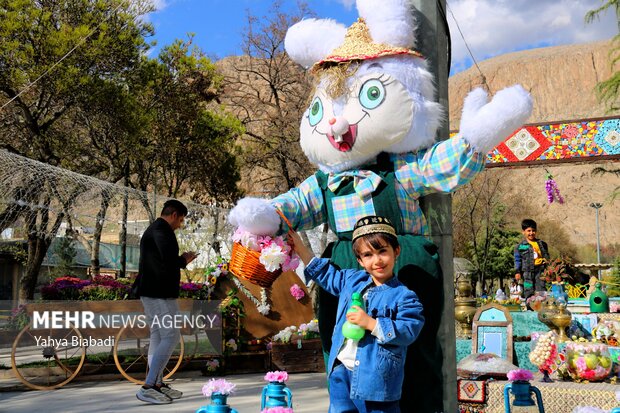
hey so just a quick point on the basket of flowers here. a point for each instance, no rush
(260, 259)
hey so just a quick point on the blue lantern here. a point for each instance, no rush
(275, 394)
(218, 405)
(522, 391)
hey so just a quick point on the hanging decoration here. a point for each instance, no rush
(553, 192)
(263, 305)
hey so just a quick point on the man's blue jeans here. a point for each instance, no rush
(340, 402)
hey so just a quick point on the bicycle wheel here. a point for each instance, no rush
(45, 359)
(131, 349)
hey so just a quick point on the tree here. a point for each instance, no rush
(268, 93)
(607, 90)
(53, 54)
(480, 226)
(65, 254)
(189, 145)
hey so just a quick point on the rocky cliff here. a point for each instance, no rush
(561, 80)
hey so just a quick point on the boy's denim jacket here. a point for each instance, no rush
(379, 363)
(524, 256)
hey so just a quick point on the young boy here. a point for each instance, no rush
(531, 258)
(367, 375)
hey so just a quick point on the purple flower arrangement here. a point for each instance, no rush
(553, 192)
(73, 288)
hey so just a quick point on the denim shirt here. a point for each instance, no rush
(524, 256)
(379, 363)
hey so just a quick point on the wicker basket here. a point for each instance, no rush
(245, 263)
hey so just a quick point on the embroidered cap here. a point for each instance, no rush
(372, 225)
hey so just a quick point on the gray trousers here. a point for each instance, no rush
(160, 314)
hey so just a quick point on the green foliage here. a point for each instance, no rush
(607, 90)
(558, 270)
(480, 225)
(500, 253)
(18, 319)
(16, 250)
(186, 141)
(94, 103)
(613, 288)
(36, 36)
(65, 253)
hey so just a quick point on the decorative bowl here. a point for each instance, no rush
(588, 361)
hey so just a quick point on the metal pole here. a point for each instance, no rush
(432, 42)
(597, 206)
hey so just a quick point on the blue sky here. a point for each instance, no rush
(218, 24)
(490, 27)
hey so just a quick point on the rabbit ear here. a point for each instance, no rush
(392, 22)
(311, 40)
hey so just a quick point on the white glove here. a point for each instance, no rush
(487, 124)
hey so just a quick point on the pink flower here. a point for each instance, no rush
(520, 375)
(220, 386)
(581, 364)
(279, 376)
(297, 292)
(290, 263)
(213, 364)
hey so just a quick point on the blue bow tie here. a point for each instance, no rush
(365, 182)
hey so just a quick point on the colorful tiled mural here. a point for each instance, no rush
(554, 141)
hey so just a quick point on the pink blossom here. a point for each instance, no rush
(277, 410)
(213, 364)
(520, 375)
(297, 292)
(279, 376)
(290, 263)
(221, 386)
(581, 364)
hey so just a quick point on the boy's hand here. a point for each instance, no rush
(305, 253)
(362, 319)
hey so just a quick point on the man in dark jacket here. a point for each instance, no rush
(158, 288)
(531, 258)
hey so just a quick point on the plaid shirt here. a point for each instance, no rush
(441, 168)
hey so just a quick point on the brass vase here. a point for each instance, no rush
(463, 288)
(562, 319)
(464, 310)
(548, 310)
(464, 305)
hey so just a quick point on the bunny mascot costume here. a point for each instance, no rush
(370, 129)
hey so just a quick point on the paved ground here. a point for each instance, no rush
(309, 396)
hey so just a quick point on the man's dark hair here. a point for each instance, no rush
(528, 223)
(171, 206)
(376, 240)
